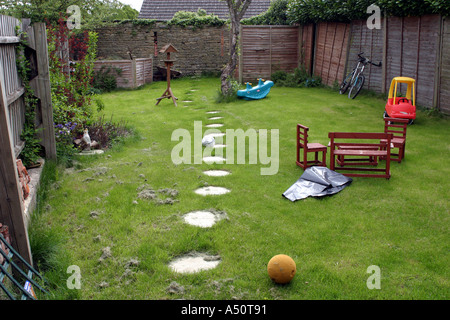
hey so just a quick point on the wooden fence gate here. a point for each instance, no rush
(12, 118)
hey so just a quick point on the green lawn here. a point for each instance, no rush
(400, 225)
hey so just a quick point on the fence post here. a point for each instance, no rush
(241, 55)
(384, 59)
(438, 69)
(43, 88)
(11, 206)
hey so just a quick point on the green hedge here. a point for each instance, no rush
(275, 15)
(308, 11)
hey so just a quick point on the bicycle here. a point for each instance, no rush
(355, 79)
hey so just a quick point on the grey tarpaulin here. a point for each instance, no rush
(317, 182)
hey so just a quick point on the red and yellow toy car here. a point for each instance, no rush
(401, 107)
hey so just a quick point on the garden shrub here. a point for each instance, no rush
(296, 79)
(32, 150)
(105, 78)
(70, 85)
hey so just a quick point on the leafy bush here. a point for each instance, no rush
(32, 149)
(299, 78)
(108, 133)
(105, 78)
(278, 76)
(232, 96)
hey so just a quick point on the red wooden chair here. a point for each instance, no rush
(316, 148)
(398, 129)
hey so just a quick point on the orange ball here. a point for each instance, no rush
(281, 269)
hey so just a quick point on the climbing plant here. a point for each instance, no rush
(71, 82)
(32, 148)
(197, 19)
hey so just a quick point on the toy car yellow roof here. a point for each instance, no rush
(410, 92)
(404, 80)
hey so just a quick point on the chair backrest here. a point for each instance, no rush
(396, 126)
(302, 136)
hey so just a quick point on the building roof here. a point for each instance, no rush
(165, 9)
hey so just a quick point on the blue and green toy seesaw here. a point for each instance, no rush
(257, 92)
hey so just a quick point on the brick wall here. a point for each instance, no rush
(199, 50)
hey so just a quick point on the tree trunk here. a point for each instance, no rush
(228, 70)
(237, 10)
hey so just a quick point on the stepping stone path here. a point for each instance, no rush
(204, 219)
(214, 125)
(214, 159)
(212, 191)
(194, 261)
(216, 173)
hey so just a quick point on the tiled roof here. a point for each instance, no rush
(165, 9)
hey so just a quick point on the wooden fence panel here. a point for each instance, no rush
(369, 41)
(307, 47)
(331, 51)
(129, 78)
(12, 83)
(266, 49)
(444, 87)
(11, 125)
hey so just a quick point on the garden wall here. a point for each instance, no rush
(133, 74)
(199, 49)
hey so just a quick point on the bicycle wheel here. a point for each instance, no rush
(346, 83)
(356, 86)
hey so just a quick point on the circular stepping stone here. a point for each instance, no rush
(212, 112)
(216, 173)
(217, 134)
(215, 118)
(207, 191)
(203, 219)
(194, 262)
(213, 159)
(187, 101)
(214, 125)
(89, 152)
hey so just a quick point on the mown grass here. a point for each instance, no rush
(400, 225)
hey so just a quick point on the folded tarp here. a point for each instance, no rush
(317, 182)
